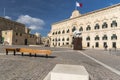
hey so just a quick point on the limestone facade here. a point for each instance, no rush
(99, 28)
(14, 33)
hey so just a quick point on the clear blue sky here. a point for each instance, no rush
(40, 14)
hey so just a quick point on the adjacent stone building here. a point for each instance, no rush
(99, 28)
(14, 33)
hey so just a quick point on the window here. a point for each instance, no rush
(63, 39)
(56, 32)
(67, 39)
(20, 34)
(53, 33)
(114, 45)
(58, 44)
(59, 39)
(105, 25)
(88, 44)
(73, 29)
(88, 28)
(53, 40)
(63, 31)
(67, 43)
(114, 37)
(97, 26)
(59, 32)
(88, 38)
(72, 40)
(114, 23)
(96, 44)
(81, 29)
(68, 31)
(97, 37)
(104, 37)
(16, 34)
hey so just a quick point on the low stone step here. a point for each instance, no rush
(68, 72)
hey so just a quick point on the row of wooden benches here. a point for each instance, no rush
(29, 51)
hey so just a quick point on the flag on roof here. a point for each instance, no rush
(78, 4)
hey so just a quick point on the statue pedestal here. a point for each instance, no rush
(77, 42)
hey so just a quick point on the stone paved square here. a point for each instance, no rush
(36, 68)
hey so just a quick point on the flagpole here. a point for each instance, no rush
(75, 6)
(4, 12)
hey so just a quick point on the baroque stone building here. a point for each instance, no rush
(99, 28)
(14, 33)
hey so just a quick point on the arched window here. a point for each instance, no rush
(56, 32)
(73, 29)
(97, 44)
(97, 26)
(63, 31)
(59, 39)
(63, 39)
(59, 32)
(68, 31)
(97, 37)
(114, 23)
(88, 28)
(105, 25)
(53, 40)
(67, 39)
(58, 44)
(53, 33)
(53, 44)
(81, 29)
(114, 37)
(104, 37)
(88, 38)
(88, 44)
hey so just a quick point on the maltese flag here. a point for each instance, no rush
(78, 4)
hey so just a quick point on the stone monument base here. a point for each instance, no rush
(77, 43)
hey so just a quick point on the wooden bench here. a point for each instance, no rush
(29, 51)
(34, 51)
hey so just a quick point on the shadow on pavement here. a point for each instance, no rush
(42, 56)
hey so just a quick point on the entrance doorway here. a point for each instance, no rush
(25, 41)
(88, 44)
(96, 44)
(114, 44)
